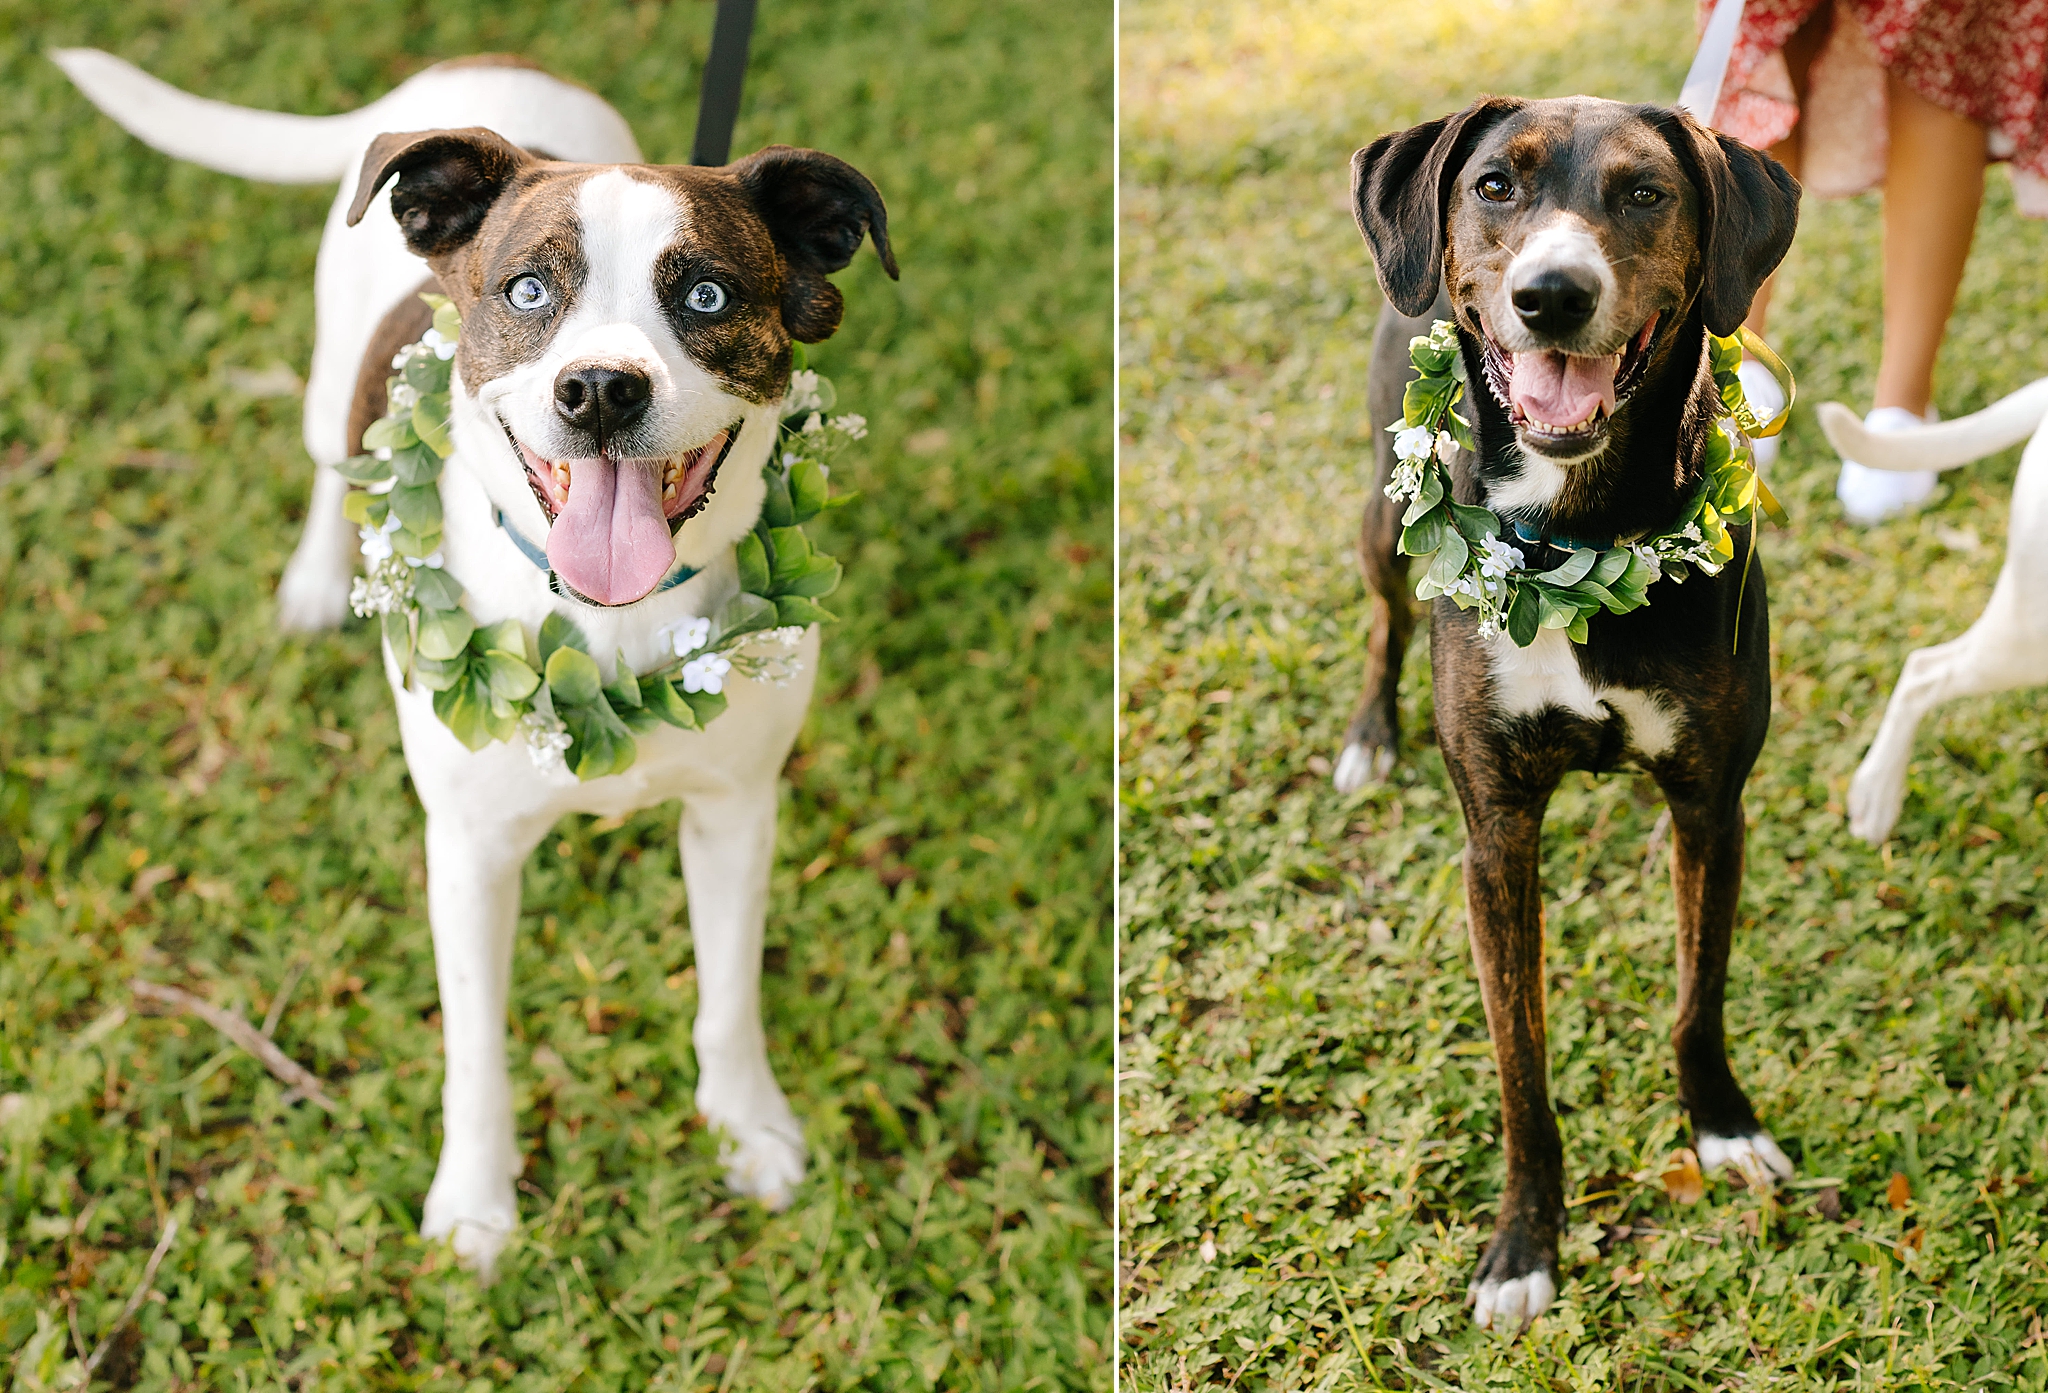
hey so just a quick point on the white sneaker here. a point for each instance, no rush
(1872, 495)
(1766, 399)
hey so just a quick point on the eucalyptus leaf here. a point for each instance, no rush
(795, 609)
(444, 633)
(743, 614)
(1475, 524)
(430, 422)
(1572, 569)
(1427, 533)
(752, 559)
(624, 689)
(434, 588)
(1611, 566)
(397, 628)
(447, 319)
(508, 675)
(573, 677)
(415, 464)
(364, 469)
(665, 702)
(819, 579)
(1449, 562)
(792, 555)
(708, 705)
(1431, 494)
(428, 372)
(506, 636)
(365, 509)
(777, 509)
(389, 433)
(560, 631)
(418, 507)
(809, 490)
(1524, 615)
(439, 674)
(407, 542)
(461, 708)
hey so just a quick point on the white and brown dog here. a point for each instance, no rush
(2008, 645)
(625, 347)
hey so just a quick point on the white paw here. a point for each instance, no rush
(1876, 795)
(311, 597)
(766, 1164)
(1757, 1157)
(478, 1226)
(1511, 1305)
(1357, 767)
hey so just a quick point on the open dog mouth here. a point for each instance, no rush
(613, 520)
(1560, 399)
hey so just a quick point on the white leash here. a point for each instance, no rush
(1702, 90)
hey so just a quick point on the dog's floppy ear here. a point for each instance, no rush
(1749, 208)
(1401, 188)
(447, 181)
(817, 208)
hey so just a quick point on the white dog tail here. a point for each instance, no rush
(265, 145)
(2006, 421)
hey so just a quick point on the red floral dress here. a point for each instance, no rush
(1984, 59)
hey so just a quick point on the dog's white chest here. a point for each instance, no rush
(1546, 674)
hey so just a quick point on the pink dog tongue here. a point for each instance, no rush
(611, 541)
(1560, 390)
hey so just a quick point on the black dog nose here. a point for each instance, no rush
(602, 401)
(1557, 300)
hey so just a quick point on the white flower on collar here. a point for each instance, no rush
(547, 739)
(1500, 558)
(705, 673)
(377, 540)
(444, 349)
(685, 636)
(1414, 444)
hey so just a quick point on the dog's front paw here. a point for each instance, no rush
(762, 1146)
(1361, 765)
(477, 1225)
(1756, 1156)
(1876, 796)
(765, 1161)
(1515, 1283)
(311, 597)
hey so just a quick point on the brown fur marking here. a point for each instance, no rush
(406, 321)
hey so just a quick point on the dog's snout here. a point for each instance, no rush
(602, 401)
(1557, 300)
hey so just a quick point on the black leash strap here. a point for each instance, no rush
(718, 105)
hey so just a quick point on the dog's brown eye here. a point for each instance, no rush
(1495, 189)
(1645, 198)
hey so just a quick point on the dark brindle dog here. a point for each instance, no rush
(1583, 248)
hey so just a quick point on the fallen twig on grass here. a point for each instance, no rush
(135, 1300)
(1658, 831)
(283, 1066)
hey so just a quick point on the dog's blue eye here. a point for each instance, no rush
(706, 297)
(527, 293)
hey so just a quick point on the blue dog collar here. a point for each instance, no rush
(1562, 543)
(539, 558)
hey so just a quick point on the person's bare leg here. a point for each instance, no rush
(1800, 50)
(1933, 186)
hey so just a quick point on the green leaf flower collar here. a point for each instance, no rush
(1465, 556)
(489, 681)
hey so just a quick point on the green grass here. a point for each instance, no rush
(1308, 1085)
(188, 796)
